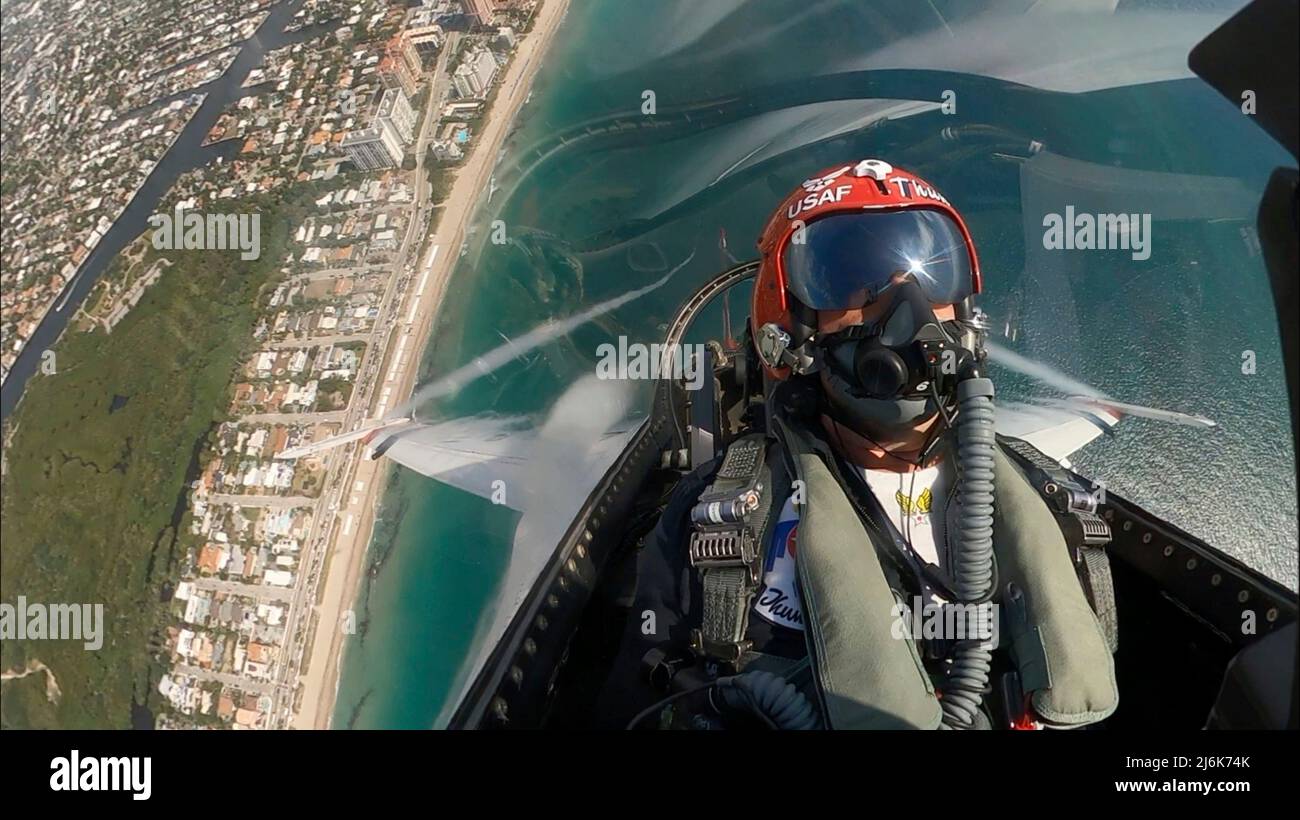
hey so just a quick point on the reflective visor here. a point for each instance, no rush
(847, 260)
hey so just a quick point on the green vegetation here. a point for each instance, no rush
(97, 472)
(441, 177)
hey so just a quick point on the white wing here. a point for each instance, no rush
(1057, 431)
(471, 454)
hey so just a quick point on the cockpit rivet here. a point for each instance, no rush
(1128, 525)
(582, 551)
(530, 646)
(1191, 563)
(1216, 579)
(1243, 596)
(542, 622)
(1271, 615)
(1169, 550)
(564, 582)
(591, 529)
(499, 709)
(571, 566)
(1146, 538)
(552, 601)
(1110, 515)
(516, 675)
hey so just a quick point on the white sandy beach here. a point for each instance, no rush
(367, 483)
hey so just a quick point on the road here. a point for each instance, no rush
(337, 273)
(277, 502)
(342, 469)
(313, 341)
(240, 682)
(294, 418)
(259, 592)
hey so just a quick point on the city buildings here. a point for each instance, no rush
(483, 11)
(383, 144)
(89, 110)
(446, 151)
(475, 73)
(257, 527)
(401, 65)
(426, 40)
(395, 113)
(374, 148)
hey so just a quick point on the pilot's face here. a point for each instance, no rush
(829, 321)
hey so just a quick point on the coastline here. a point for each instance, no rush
(368, 478)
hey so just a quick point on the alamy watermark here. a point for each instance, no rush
(193, 231)
(634, 360)
(1086, 232)
(75, 773)
(53, 622)
(929, 621)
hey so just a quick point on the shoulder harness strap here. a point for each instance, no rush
(901, 573)
(1086, 532)
(727, 544)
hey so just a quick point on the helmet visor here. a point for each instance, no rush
(848, 260)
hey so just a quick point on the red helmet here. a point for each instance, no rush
(841, 238)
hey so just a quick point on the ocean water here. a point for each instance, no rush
(1053, 108)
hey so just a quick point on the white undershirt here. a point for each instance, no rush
(915, 502)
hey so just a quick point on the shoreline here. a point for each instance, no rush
(348, 552)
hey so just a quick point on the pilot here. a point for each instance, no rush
(871, 555)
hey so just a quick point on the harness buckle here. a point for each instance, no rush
(1078, 508)
(723, 548)
(727, 652)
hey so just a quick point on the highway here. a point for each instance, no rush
(340, 463)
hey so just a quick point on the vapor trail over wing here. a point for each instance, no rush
(1059, 427)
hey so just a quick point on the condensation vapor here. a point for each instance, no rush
(1044, 373)
(502, 355)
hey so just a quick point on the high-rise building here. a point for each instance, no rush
(426, 40)
(395, 112)
(401, 48)
(505, 39)
(374, 148)
(401, 66)
(383, 144)
(483, 11)
(475, 74)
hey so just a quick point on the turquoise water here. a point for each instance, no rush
(604, 211)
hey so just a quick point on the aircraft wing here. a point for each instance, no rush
(1057, 430)
(471, 454)
(492, 457)
(1062, 426)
